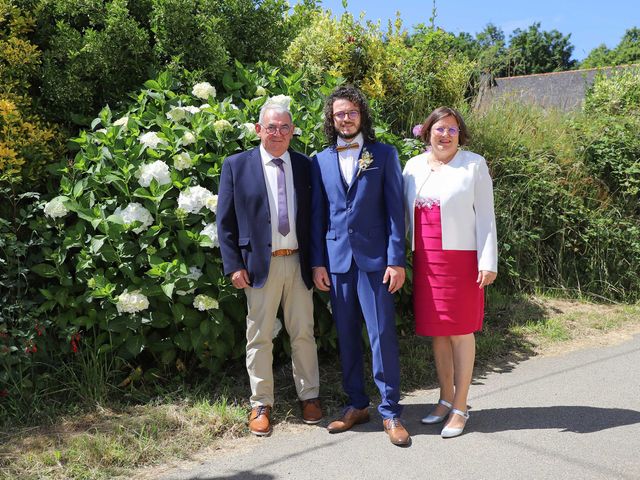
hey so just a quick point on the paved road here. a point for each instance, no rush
(574, 416)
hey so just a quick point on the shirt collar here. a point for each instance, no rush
(359, 139)
(267, 157)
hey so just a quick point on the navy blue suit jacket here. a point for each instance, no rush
(244, 219)
(363, 221)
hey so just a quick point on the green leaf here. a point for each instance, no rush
(134, 344)
(45, 270)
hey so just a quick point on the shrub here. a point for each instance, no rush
(557, 226)
(135, 263)
(608, 135)
(27, 143)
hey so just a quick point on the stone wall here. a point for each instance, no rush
(561, 90)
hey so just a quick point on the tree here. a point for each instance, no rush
(628, 50)
(536, 51)
(600, 56)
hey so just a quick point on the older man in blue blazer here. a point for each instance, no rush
(264, 211)
(358, 253)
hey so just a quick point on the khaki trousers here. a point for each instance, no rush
(284, 285)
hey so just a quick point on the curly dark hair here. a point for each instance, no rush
(354, 95)
(437, 115)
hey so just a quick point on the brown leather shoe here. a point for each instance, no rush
(351, 416)
(311, 411)
(396, 431)
(259, 423)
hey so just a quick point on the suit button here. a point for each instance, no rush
(351, 230)
(269, 245)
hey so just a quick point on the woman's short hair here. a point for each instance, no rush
(437, 115)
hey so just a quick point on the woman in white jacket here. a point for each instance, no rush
(448, 197)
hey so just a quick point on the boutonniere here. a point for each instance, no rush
(364, 162)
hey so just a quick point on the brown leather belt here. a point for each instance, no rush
(285, 252)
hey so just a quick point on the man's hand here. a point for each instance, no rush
(240, 279)
(321, 278)
(394, 276)
(485, 277)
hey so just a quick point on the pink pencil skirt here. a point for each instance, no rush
(446, 297)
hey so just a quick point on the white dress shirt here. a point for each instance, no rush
(278, 241)
(349, 158)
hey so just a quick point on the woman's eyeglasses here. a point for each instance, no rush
(452, 131)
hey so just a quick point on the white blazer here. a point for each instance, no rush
(466, 205)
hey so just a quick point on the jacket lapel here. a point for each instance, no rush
(256, 170)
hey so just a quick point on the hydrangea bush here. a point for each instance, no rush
(135, 263)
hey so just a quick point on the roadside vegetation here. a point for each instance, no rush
(121, 344)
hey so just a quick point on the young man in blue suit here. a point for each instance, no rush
(358, 253)
(263, 216)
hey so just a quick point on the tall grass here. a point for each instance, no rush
(559, 227)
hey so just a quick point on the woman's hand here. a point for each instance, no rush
(485, 277)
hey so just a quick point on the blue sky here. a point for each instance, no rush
(589, 22)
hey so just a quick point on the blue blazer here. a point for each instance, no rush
(363, 220)
(244, 219)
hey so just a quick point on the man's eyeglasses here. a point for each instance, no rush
(272, 129)
(352, 114)
(452, 131)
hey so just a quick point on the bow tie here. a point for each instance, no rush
(348, 146)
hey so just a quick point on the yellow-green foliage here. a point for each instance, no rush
(409, 76)
(344, 47)
(27, 143)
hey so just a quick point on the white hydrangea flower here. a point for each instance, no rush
(297, 131)
(211, 231)
(222, 125)
(204, 106)
(205, 302)
(55, 207)
(132, 302)
(249, 130)
(158, 170)
(260, 91)
(121, 122)
(193, 110)
(177, 114)
(188, 138)
(203, 90)
(151, 140)
(135, 212)
(212, 203)
(182, 161)
(192, 199)
(194, 273)
(101, 130)
(280, 100)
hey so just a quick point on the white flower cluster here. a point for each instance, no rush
(55, 207)
(177, 114)
(222, 125)
(182, 161)
(282, 101)
(151, 140)
(158, 170)
(188, 138)
(211, 231)
(203, 90)
(260, 91)
(194, 273)
(121, 122)
(134, 212)
(205, 302)
(132, 302)
(192, 199)
(249, 130)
